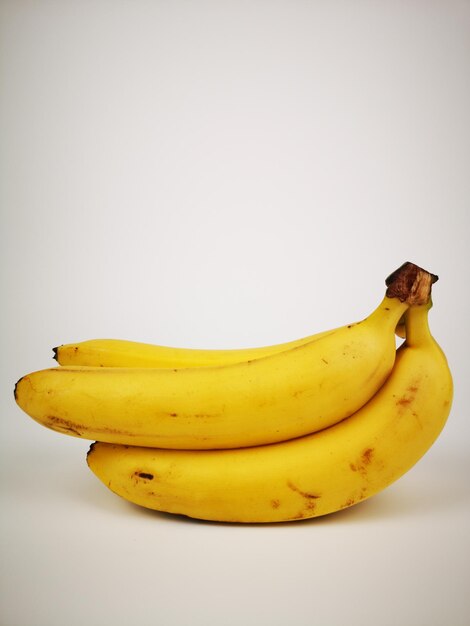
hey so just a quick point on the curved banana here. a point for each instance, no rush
(122, 353)
(269, 399)
(306, 477)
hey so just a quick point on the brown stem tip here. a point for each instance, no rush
(411, 284)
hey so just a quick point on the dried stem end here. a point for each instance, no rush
(411, 284)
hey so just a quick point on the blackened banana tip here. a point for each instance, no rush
(90, 450)
(15, 390)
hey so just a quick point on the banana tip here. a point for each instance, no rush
(55, 352)
(15, 390)
(90, 450)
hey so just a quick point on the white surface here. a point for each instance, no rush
(225, 174)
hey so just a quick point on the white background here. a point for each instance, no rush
(227, 174)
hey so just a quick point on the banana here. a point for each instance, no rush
(266, 400)
(122, 353)
(306, 477)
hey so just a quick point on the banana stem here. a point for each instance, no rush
(410, 284)
(417, 325)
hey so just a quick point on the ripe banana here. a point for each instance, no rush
(270, 399)
(306, 477)
(122, 353)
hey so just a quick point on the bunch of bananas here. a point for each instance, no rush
(270, 434)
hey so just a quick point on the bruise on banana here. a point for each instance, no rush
(355, 498)
(61, 424)
(408, 397)
(364, 461)
(361, 466)
(405, 402)
(309, 501)
(196, 415)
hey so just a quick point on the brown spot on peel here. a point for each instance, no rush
(62, 425)
(304, 494)
(404, 401)
(367, 456)
(309, 503)
(365, 460)
(144, 475)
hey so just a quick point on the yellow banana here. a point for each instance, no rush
(306, 477)
(122, 353)
(278, 397)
